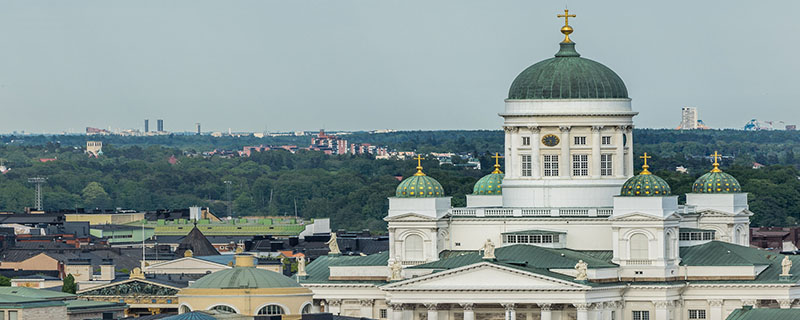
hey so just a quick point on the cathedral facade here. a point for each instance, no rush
(568, 230)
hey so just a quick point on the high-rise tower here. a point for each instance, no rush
(160, 125)
(146, 125)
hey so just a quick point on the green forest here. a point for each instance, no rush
(134, 172)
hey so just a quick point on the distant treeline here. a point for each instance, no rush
(134, 172)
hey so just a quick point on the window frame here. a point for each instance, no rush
(550, 165)
(526, 165)
(580, 165)
(695, 314)
(579, 140)
(606, 141)
(640, 315)
(606, 164)
(526, 141)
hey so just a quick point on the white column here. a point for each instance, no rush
(509, 154)
(608, 307)
(662, 310)
(511, 313)
(433, 313)
(334, 306)
(629, 162)
(596, 151)
(536, 157)
(785, 303)
(546, 312)
(469, 314)
(517, 156)
(716, 309)
(583, 310)
(366, 308)
(565, 171)
(315, 306)
(619, 157)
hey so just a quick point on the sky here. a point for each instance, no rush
(361, 65)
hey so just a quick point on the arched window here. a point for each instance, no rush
(639, 247)
(306, 309)
(413, 248)
(272, 309)
(223, 309)
(185, 309)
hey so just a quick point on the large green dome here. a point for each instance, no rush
(419, 185)
(645, 184)
(567, 76)
(244, 278)
(716, 181)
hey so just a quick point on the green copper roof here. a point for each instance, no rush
(489, 185)
(567, 76)
(748, 313)
(244, 277)
(419, 186)
(645, 185)
(716, 182)
(319, 269)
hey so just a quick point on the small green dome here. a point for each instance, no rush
(419, 185)
(244, 278)
(645, 184)
(567, 76)
(716, 181)
(490, 184)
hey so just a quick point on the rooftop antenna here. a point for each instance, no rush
(38, 181)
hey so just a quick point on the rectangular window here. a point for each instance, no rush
(547, 238)
(526, 165)
(580, 164)
(384, 314)
(526, 141)
(13, 315)
(580, 141)
(697, 314)
(605, 164)
(522, 238)
(696, 236)
(684, 236)
(641, 315)
(707, 236)
(551, 165)
(605, 140)
(511, 238)
(536, 238)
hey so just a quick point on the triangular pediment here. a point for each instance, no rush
(411, 216)
(186, 265)
(717, 213)
(131, 287)
(484, 276)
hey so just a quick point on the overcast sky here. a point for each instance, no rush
(360, 65)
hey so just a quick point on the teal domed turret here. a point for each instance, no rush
(716, 181)
(645, 184)
(490, 184)
(419, 185)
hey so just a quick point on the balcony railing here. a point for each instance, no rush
(639, 262)
(602, 212)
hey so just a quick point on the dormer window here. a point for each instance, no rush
(544, 238)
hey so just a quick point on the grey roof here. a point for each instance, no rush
(196, 242)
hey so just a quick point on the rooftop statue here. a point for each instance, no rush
(488, 249)
(582, 269)
(333, 246)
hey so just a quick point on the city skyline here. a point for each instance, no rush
(274, 66)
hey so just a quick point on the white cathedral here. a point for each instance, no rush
(571, 230)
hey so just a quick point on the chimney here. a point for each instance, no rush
(107, 270)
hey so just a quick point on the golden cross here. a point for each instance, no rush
(419, 165)
(566, 16)
(716, 156)
(497, 158)
(645, 157)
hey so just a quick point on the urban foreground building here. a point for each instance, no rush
(570, 231)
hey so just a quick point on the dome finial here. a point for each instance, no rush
(566, 29)
(419, 166)
(716, 156)
(645, 166)
(497, 157)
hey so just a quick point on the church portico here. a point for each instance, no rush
(505, 311)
